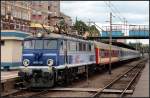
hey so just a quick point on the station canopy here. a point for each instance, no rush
(38, 25)
(120, 44)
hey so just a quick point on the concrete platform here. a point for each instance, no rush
(8, 75)
(8, 79)
(142, 87)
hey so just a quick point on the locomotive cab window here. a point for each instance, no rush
(29, 44)
(40, 44)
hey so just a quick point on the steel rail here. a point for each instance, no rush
(121, 95)
(112, 82)
(95, 95)
(7, 95)
(39, 93)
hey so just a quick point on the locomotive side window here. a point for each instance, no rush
(72, 46)
(50, 44)
(84, 47)
(77, 46)
(65, 45)
(80, 46)
(89, 47)
(29, 44)
(69, 47)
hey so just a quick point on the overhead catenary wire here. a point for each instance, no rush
(115, 11)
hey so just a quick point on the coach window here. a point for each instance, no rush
(102, 53)
(113, 53)
(92, 47)
(87, 47)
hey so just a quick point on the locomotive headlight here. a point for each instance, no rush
(39, 34)
(26, 62)
(49, 62)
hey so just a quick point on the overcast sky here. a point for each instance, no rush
(135, 12)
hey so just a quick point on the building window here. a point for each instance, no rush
(14, 13)
(2, 42)
(2, 10)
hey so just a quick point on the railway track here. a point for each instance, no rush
(123, 82)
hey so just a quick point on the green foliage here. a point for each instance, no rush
(81, 27)
(94, 31)
(140, 47)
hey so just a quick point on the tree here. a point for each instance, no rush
(80, 26)
(94, 31)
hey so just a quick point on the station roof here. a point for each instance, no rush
(120, 44)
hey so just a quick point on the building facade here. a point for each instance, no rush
(15, 15)
(11, 48)
(15, 22)
(41, 10)
(54, 9)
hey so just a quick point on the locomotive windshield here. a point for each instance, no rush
(40, 44)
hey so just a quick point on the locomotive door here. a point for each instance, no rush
(65, 52)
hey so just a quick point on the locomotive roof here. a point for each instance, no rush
(58, 36)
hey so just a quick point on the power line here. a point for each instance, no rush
(115, 11)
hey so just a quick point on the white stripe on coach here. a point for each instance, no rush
(27, 54)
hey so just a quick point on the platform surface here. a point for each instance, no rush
(6, 75)
(142, 87)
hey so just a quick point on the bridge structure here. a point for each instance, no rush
(122, 32)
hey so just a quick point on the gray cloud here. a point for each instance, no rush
(135, 11)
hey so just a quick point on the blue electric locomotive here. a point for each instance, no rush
(45, 59)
